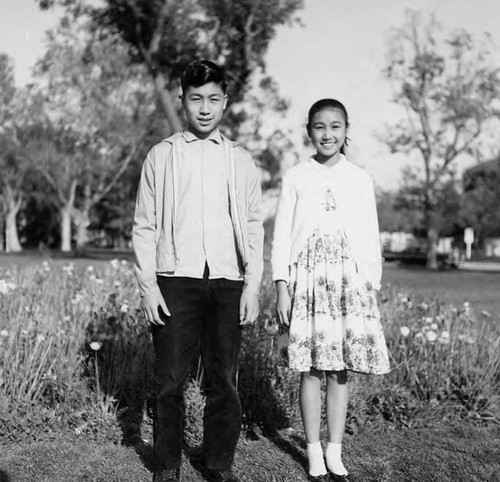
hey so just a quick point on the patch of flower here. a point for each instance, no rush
(6, 287)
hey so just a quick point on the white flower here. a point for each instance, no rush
(115, 263)
(486, 314)
(434, 326)
(124, 262)
(428, 319)
(46, 266)
(69, 269)
(424, 305)
(405, 331)
(78, 297)
(40, 338)
(99, 281)
(67, 318)
(95, 345)
(431, 336)
(4, 333)
(92, 277)
(6, 286)
(466, 305)
(466, 339)
(444, 338)
(124, 308)
(90, 269)
(117, 284)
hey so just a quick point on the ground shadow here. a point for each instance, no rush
(121, 370)
(4, 477)
(290, 444)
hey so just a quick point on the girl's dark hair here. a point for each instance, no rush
(201, 72)
(328, 104)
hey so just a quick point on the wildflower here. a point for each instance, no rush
(486, 314)
(405, 331)
(424, 305)
(466, 339)
(124, 308)
(69, 269)
(40, 338)
(434, 326)
(99, 281)
(428, 319)
(466, 305)
(92, 277)
(90, 269)
(6, 286)
(67, 318)
(78, 297)
(115, 263)
(444, 338)
(46, 266)
(431, 336)
(117, 284)
(4, 333)
(95, 345)
(124, 262)
(272, 328)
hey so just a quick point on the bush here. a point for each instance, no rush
(75, 352)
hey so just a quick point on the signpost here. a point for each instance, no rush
(468, 239)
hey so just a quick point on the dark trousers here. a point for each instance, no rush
(204, 316)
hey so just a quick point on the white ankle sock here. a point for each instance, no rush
(316, 460)
(334, 459)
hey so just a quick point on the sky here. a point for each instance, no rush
(339, 51)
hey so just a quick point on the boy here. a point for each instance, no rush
(198, 240)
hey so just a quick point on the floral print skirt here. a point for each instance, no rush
(335, 322)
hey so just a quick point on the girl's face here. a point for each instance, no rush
(328, 131)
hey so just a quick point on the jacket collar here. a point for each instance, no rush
(189, 136)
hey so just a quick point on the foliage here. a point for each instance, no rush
(75, 350)
(448, 90)
(481, 199)
(98, 109)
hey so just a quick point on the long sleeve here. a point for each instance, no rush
(282, 237)
(144, 228)
(255, 230)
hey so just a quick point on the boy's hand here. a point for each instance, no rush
(283, 304)
(150, 304)
(249, 307)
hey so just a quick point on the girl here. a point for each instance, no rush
(327, 267)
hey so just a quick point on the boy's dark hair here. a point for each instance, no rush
(329, 104)
(201, 72)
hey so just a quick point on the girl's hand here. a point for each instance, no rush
(283, 303)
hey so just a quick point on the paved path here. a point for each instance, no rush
(480, 266)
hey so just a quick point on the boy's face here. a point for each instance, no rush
(204, 107)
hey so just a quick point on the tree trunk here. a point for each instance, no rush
(167, 103)
(12, 205)
(65, 229)
(12, 244)
(432, 232)
(2, 233)
(82, 221)
(432, 242)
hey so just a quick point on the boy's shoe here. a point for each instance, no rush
(167, 475)
(226, 475)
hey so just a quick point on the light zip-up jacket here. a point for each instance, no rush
(154, 230)
(302, 192)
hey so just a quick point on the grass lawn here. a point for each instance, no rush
(480, 288)
(375, 453)
(442, 454)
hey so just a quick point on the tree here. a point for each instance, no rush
(20, 109)
(449, 92)
(166, 35)
(98, 111)
(481, 200)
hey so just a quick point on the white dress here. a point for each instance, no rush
(335, 322)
